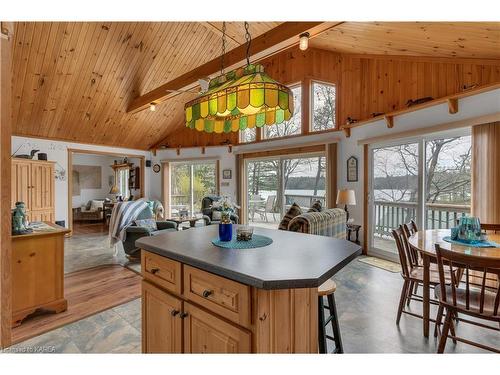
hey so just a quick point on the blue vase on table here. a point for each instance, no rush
(225, 232)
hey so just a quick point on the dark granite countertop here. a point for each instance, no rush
(293, 260)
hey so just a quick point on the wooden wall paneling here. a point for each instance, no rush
(486, 173)
(6, 54)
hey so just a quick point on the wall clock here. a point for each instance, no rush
(352, 169)
(156, 168)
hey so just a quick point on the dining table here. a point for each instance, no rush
(424, 242)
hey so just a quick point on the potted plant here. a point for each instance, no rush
(226, 207)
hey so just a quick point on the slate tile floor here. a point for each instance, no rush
(366, 299)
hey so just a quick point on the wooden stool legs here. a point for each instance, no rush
(322, 324)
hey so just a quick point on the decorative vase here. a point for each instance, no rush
(225, 232)
(469, 229)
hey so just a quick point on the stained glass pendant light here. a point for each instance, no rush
(243, 98)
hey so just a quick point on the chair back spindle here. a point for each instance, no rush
(474, 299)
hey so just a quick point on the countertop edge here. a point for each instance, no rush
(248, 280)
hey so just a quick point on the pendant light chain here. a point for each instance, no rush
(248, 38)
(223, 47)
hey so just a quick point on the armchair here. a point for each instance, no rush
(133, 232)
(207, 211)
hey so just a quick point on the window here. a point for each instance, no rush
(292, 126)
(427, 179)
(274, 184)
(248, 135)
(123, 182)
(323, 106)
(189, 183)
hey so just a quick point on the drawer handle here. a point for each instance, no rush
(174, 312)
(154, 271)
(207, 293)
(183, 315)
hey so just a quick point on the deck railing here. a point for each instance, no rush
(388, 215)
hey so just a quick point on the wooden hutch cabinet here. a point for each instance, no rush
(33, 184)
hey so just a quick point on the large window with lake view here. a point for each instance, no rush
(427, 180)
(274, 184)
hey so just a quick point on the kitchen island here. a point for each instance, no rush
(199, 298)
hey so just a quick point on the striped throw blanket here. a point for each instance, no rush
(123, 215)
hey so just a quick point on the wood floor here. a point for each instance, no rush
(82, 227)
(88, 292)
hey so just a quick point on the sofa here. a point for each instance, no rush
(208, 211)
(92, 211)
(329, 222)
(133, 232)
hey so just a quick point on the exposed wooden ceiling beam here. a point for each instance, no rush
(265, 45)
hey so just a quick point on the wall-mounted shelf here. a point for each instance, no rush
(451, 100)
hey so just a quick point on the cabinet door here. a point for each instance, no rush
(161, 322)
(21, 183)
(206, 333)
(42, 186)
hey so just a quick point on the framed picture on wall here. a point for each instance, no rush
(352, 169)
(227, 174)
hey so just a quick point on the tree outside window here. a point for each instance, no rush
(248, 135)
(323, 106)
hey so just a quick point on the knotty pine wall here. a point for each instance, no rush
(366, 83)
(371, 83)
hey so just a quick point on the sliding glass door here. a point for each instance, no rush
(190, 181)
(274, 184)
(425, 179)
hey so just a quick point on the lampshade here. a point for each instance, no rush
(114, 190)
(243, 98)
(346, 196)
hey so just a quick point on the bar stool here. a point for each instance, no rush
(327, 289)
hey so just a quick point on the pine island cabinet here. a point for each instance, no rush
(198, 298)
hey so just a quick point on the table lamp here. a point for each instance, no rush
(346, 197)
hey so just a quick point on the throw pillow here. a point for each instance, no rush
(216, 215)
(149, 224)
(293, 211)
(316, 207)
(87, 206)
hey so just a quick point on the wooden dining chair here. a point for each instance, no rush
(412, 274)
(491, 227)
(480, 302)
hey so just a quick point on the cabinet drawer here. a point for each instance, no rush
(222, 296)
(161, 271)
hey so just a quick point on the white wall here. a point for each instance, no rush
(57, 151)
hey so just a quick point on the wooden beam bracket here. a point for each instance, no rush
(347, 131)
(389, 120)
(453, 105)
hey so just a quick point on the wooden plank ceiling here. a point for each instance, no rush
(73, 81)
(436, 39)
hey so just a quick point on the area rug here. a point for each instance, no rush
(88, 292)
(381, 263)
